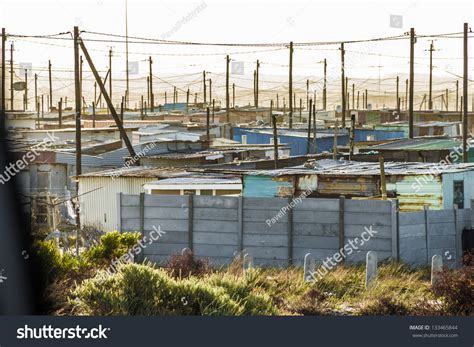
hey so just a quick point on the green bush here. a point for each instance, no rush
(137, 289)
(51, 263)
(112, 245)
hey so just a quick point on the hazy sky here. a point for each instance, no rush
(241, 22)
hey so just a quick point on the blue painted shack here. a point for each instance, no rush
(297, 139)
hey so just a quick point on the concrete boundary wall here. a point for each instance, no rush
(279, 232)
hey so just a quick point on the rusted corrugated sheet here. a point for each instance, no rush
(348, 185)
(413, 192)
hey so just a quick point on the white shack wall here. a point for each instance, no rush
(98, 198)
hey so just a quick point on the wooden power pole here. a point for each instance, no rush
(343, 89)
(412, 75)
(290, 87)
(465, 84)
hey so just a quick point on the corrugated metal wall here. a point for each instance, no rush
(98, 198)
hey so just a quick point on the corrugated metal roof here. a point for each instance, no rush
(420, 144)
(339, 167)
(197, 180)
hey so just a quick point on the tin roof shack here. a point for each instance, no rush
(87, 134)
(217, 186)
(99, 191)
(434, 128)
(424, 150)
(189, 158)
(297, 139)
(188, 132)
(414, 184)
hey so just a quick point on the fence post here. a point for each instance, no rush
(190, 221)
(241, 224)
(119, 211)
(426, 209)
(141, 256)
(341, 223)
(289, 224)
(308, 267)
(370, 267)
(436, 268)
(395, 230)
(247, 262)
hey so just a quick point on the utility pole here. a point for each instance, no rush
(352, 136)
(118, 122)
(2, 102)
(110, 76)
(36, 93)
(208, 136)
(457, 95)
(324, 85)
(127, 91)
(412, 75)
(148, 90)
(464, 115)
(315, 149)
(308, 140)
(357, 99)
(257, 83)
(26, 89)
(366, 99)
(187, 101)
(307, 93)
(204, 85)
(152, 98)
(227, 101)
(77, 93)
(430, 95)
(233, 95)
(50, 86)
(290, 87)
(275, 141)
(398, 100)
(406, 94)
(210, 90)
(12, 95)
(60, 112)
(343, 89)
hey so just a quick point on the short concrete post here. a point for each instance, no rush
(370, 267)
(248, 262)
(308, 267)
(436, 268)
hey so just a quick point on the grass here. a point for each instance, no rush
(147, 289)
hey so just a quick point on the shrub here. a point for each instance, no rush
(138, 289)
(51, 263)
(384, 306)
(247, 291)
(312, 303)
(112, 245)
(185, 265)
(456, 289)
